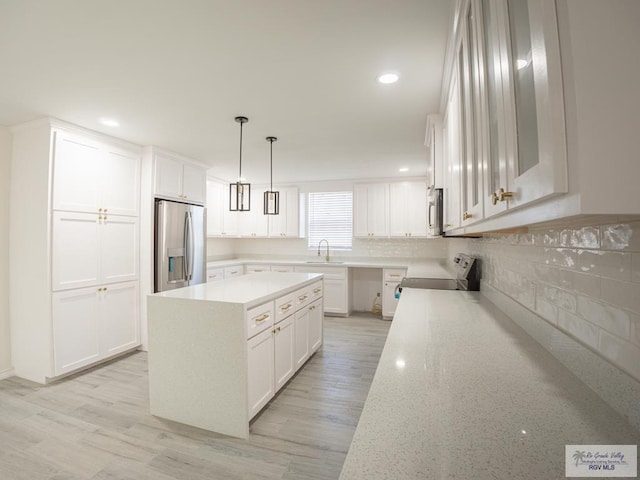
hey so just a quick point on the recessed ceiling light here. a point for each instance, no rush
(403, 169)
(387, 78)
(109, 122)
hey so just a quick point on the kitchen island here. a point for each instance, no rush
(461, 391)
(218, 352)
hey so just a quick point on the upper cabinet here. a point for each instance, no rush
(178, 179)
(94, 177)
(504, 123)
(371, 210)
(221, 222)
(287, 222)
(408, 209)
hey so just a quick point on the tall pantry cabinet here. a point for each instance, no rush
(74, 238)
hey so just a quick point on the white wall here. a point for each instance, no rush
(5, 175)
(583, 280)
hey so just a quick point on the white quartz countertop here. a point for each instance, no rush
(462, 392)
(249, 290)
(421, 269)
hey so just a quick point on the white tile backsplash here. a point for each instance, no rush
(585, 280)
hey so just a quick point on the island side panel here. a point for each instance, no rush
(197, 364)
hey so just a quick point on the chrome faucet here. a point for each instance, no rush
(319, 243)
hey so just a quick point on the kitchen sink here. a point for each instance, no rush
(323, 262)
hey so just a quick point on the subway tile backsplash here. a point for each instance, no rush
(583, 280)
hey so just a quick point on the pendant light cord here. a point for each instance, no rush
(271, 167)
(240, 171)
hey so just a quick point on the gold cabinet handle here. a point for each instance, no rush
(100, 210)
(394, 275)
(262, 318)
(500, 196)
(317, 290)
(286, 307)
(466, 216)
(105, 210)
(302, 298)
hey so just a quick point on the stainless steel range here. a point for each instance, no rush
(467, 277)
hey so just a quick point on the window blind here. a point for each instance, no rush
(330, 218)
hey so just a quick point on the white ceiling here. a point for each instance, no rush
(175, 73)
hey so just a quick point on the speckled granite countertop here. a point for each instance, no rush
(462, 392)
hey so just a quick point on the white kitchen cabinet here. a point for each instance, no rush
(215, 274)
(371, 210)
(282, 268)
(301, 332)
(75, 204)
(233, 271)
(284, 343)
(90, 249)
(336, 288)
(92, 176)
(390, 280)
(260, 370)
(408, 209)
(95, 323)
(316, 318)
(254, 223)
(505, 126)
(287, 222)
(215, 212)
(257, 268)
(178, 179)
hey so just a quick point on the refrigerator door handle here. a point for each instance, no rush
(188, 250)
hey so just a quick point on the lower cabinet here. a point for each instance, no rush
(90, 324)
(301, 350)
(284, 341)
(260, 360)
(277, 352)
(337, 288)
(390, 280)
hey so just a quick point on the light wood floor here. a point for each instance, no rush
(96, 425)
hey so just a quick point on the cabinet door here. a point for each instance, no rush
(120, 182)
(168, 177)
(119, 321)
(452, 132)
(215, 208)
(389, 302)
(254, 223)
(316, 318)
(194, 180)
(335, 296)
(301, 329)
(286, 223)
(398, 209)
(360, 211)
(378, 209)
(260, 375)
(284, 343)
(416, 209)
(75, 250)
(76, 329)
(119, 249)
(76, 173)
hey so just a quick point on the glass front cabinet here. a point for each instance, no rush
(504, 129)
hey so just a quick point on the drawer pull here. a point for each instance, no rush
(286, 307)
(302, 298)
(262, 318)
(394, 275)
(317, 290)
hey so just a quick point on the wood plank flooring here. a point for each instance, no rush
(96, 425)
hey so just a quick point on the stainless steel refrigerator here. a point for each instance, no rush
(180, 245)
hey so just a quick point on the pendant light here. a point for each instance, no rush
(271, 198)
(240, 193)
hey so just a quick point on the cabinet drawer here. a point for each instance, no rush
(259, 319)
(394, 274)
(282, 268)
(315, 291)
(257, 268)
(302, 297)
(214, 274)
(285, 306)
(233, 271)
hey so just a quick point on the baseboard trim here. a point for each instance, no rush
(9, 372)
(617, 388)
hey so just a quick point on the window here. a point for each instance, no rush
(330, 218)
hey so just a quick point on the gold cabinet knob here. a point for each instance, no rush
(466, 216)
(500, 196)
